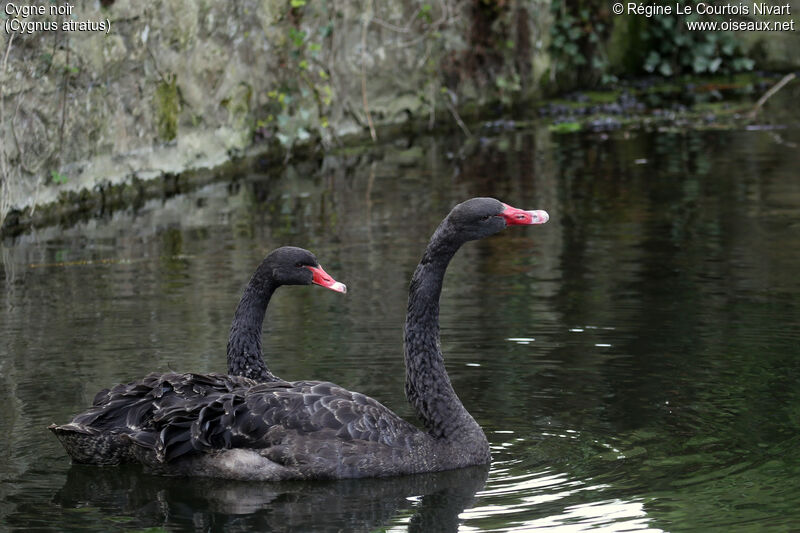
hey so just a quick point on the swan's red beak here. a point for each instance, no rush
(518, 217)
(322, 278)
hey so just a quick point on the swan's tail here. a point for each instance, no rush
(88, 445)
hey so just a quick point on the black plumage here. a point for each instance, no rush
(306, 428)
(236, 427)
(287, 265)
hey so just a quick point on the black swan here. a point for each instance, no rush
(288, 265)
(285, 266)
(236, 428)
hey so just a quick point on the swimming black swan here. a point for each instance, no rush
(285, 266)
(233, 427)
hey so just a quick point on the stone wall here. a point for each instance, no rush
(188, 84)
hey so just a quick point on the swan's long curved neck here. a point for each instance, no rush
(428, 386)
(244, 342)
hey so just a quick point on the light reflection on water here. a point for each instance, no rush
(635, 362)
(544, 489)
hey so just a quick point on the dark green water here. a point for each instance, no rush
(635, 362)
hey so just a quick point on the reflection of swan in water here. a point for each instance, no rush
(214, 505)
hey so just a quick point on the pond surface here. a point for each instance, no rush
(635, 362)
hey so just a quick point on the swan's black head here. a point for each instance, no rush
(481, 217)
(290, 265)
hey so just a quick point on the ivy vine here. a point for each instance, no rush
(659, 44)
(672, 49)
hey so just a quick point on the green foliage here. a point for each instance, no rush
(565, 127)
(660, 44)
(507, 87)
(425, 13)
(167, 107)
(673, 49)
(297, 37)
(57, 177)
(326, 30)
(302, 98)
(578, 38)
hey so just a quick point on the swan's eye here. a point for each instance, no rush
(299, 264)
(486, 217)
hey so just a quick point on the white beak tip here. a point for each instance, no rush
(539, 216)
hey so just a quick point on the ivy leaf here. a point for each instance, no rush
(652, 61)
(571, 49)
(747, 63)
(700, 64)
(728, 48)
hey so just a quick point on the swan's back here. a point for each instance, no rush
(197, 424)
(101, 434)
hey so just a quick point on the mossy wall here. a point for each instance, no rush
(188, 84)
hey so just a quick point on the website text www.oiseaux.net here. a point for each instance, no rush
(704, 9)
